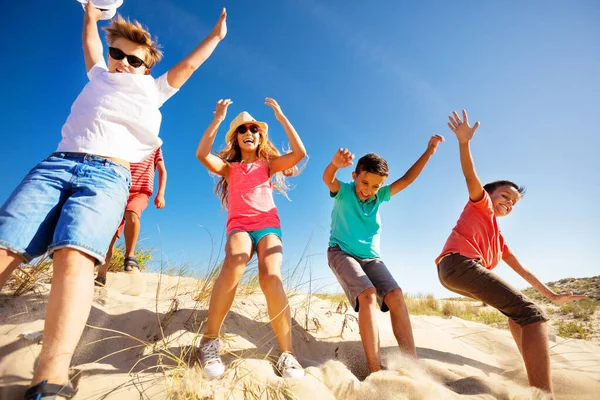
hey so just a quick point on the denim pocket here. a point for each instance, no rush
(120, 171)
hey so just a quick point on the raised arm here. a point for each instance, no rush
(213, 163)
(184, 69)
(286, 161)
(92, 45)
(548, 293)
(159, 200)
(464, 134)
(414, 171)
(341, 159)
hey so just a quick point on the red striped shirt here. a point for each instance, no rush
(142, 173)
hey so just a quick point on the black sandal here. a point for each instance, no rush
(49, 391)
(99, 281)
(130, 265)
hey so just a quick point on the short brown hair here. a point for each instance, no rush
(134, 32)
(372, 163)
(491, 186)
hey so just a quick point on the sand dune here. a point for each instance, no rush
(136, 325)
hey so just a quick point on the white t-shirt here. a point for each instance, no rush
(116, 115)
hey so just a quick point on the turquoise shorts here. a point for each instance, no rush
(256, 236)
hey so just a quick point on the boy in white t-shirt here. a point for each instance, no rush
(71, 203)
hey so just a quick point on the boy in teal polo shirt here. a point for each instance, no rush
(353, 253)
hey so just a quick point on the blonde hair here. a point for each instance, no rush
(134, 32)
(265, 151)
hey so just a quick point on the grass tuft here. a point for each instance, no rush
(577, 330)
(29, 277)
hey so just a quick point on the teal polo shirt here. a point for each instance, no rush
(356, 224)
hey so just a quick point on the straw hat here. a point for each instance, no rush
(108, 7)
(242, 119)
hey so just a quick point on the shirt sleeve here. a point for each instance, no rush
(165, 91)
(385, 193)
(485, 204)
(97, 68)
(344, 187)
(158, 156)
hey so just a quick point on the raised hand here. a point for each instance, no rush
(342, 158)
(462, 129)
(275, 106)
(92, 12)
(221, 109)
(564, 298)
(220, 29)
(434, 142)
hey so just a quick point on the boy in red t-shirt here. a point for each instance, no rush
(476, 246)
(142, 186)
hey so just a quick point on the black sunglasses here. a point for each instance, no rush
(118, 55)
(244, 128)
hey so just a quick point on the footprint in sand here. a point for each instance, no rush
(132, 284)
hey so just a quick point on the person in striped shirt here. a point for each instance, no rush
(142, 187)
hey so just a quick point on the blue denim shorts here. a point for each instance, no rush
(67, 200)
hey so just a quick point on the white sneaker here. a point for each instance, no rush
(289, 367)
(211, 360)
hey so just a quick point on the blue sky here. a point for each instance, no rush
(371, 76)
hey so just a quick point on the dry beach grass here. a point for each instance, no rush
(142, 337)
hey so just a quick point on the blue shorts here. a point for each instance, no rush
(255, 236)
(67, 200)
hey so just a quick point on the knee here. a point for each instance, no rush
(131, 217)
(9, 255)
(269, 282)
(72, 262)
(235, 263)
(394, 299)
(368, 298)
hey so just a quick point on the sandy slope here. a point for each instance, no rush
(457, 359)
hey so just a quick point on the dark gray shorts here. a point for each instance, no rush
(470, 278)
(359, 274)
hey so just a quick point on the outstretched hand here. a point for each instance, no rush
(92, 12)
(434, 142)
(342, 158)
(275, 106)
(221, 109)
(220, 29)
(462, 129)
(565, 298)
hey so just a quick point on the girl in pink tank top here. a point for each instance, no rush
(250, 167)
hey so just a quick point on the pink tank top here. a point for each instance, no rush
(250, 204)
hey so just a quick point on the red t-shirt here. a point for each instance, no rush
(142, 173)
(476, 234)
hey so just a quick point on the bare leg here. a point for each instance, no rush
(238, 251)
(66, 314)
(269, 275)
(369, 332)
(536, 355)
(103, 269)
(131, 232)
(516, 332)
(8, 263)
(401, 321)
